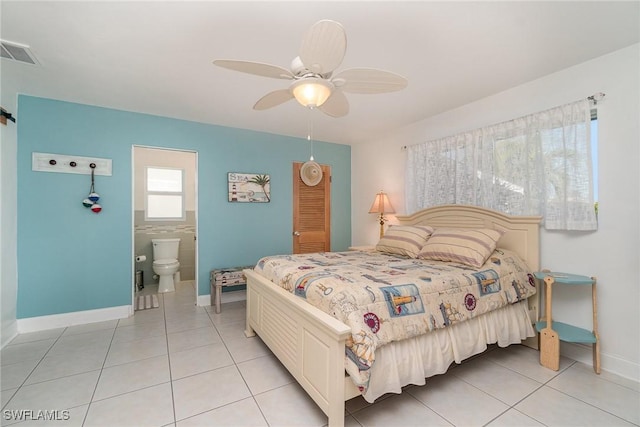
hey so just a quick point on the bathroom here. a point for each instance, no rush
(164, 208)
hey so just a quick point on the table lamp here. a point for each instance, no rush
(381, 205)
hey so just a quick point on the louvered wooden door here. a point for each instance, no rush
(311, 213)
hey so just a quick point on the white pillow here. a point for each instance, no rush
(470, 247)
(404, 239)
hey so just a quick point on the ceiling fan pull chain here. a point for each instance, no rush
(310, 131)
(310, 172)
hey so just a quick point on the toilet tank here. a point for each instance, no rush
(165, 248)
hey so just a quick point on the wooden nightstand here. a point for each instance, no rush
(550, 337)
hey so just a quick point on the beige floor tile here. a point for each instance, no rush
(446, 395)
(62, 365)
(150, 406)
(90, 327)
(62, 393)
(79, 343)
(38, 336)
(210, 390)
(6, 395)
(16, 353)
(229, 313)
(504, 384)
(73, 417)
(139, 331)
(609, 376)
(125, 352)
(132, 376)
(232, 329)
(144, 316)
(180, 341)
(514, 418)
(188, 322)
(12, 376)
(208, 370)
(243, 349)
(239, 414)
(399, 410)
(264, 373)
(526, 361)
(553, 408)
(198, 360)
(290, 406)
(582, 383)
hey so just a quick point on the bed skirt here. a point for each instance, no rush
(413, 360)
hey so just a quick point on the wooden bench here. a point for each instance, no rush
(218, 278)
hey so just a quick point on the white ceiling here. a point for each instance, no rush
(155, 57)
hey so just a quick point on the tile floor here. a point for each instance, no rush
(182, 365)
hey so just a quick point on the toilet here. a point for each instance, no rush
(165, 262)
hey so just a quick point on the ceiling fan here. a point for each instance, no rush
(314, 84)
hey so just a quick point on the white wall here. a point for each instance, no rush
(611, 254)
(8, 220)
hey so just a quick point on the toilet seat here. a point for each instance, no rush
(166, 262)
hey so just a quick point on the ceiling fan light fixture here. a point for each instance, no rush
(312, 73)
(311, 91)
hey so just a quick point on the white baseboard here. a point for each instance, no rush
(9, 333)
(615, 365)
(204, 300)
(53, 321)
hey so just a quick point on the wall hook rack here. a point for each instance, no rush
(47, 162)
(5, 115)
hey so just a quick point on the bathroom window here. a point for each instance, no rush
(164, 194)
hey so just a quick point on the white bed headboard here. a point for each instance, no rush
(522, 233)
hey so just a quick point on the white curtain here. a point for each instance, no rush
(535, 165)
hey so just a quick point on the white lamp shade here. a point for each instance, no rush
(381, 204)
(311, 92)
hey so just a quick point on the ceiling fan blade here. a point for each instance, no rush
(273, 99)
(336, 106)
(323, 47)
(257, 68)
(368, 80)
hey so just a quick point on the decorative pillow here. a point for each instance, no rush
(404, 239)
(470, 247)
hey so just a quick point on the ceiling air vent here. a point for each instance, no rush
(17, 52)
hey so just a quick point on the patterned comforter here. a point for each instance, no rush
(385, 298)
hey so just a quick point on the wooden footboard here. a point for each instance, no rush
(308, 342)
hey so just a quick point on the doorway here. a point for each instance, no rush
(311, 213)
(164, 207)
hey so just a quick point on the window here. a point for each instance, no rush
(594, 156)
(541, 164)
(164, 194)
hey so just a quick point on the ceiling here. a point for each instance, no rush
(155, 56)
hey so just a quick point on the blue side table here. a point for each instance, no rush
(558, 331)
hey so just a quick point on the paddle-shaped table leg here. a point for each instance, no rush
(549, 339)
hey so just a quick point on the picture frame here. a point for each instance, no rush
(249, 187)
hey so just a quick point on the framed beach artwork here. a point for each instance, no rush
(249, 187)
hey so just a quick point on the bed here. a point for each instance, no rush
(312, 344)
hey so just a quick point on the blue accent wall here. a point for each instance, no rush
(70, 259)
